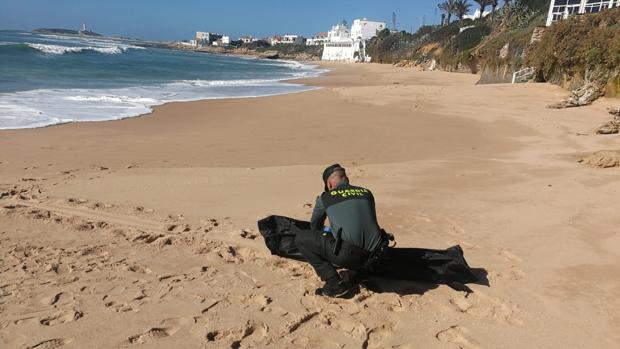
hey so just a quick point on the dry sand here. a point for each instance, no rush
(141, 232)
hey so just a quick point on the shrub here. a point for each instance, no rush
(579, 43)
(471, 38)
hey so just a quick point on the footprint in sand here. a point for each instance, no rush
(461, 304)
(509, 256)
(118, 307)
(378, 333)
(513, 273)
(136, 268)
(153, 334)
(340, 321)
(231, 254)
(480, 305)
(51, 343)
(456, 228)
(251, 332)
(55, 299)
(248, 234)
(456, 335)
(178, 228)
(254, 300)
(61, 318)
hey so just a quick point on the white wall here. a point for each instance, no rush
(342, 51)
(365, 29)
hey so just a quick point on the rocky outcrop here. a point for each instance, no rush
(269, 55)
(405, 63)
(609, 128)
(602, 159)
(593, 88)
(612, 126)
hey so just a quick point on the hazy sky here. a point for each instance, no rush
(173, 20)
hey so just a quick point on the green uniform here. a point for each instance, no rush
(351, 209)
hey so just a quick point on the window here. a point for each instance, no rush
(594, 6)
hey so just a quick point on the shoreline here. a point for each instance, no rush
(41, 107)
(150, 222)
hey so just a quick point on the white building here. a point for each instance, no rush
(561, 9)
(340, 32)
(476, 15)
(317, 40)
(207, 38)
(293, 39)
(274, 40)
(350, 45)
(247, 39)
(191, 43)
(287, 39)
(222, 42)
(364, 29)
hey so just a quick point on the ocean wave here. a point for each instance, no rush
(44, 107)
(60, 50)
(246, 82)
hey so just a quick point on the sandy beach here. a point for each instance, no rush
(142, 232)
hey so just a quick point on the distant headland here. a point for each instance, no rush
(65, 31)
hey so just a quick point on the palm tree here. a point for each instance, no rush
(448, 8)
(461, 8)
(494, 4)
(483, 4)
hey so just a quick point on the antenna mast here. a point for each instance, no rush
(393, 21)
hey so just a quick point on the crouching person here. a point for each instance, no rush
(355, 235)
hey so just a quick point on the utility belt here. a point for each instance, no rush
(381, 253)
(373, 258)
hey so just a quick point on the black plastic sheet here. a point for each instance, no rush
(411, 264)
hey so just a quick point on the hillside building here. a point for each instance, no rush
(344, 44)
(317, 40)
(561, 9)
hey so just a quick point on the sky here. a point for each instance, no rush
(180, 19)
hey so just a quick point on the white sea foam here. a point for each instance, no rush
(248, 82)
(43, 107)
(59, 49)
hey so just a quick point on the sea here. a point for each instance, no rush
(53, 79)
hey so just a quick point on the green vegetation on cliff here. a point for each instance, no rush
(582, 52)
(579, 45)
(465, 44)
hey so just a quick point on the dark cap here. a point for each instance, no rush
(329, 171)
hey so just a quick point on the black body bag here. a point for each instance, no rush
(411, 264)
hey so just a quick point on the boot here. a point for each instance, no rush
(334, 289)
